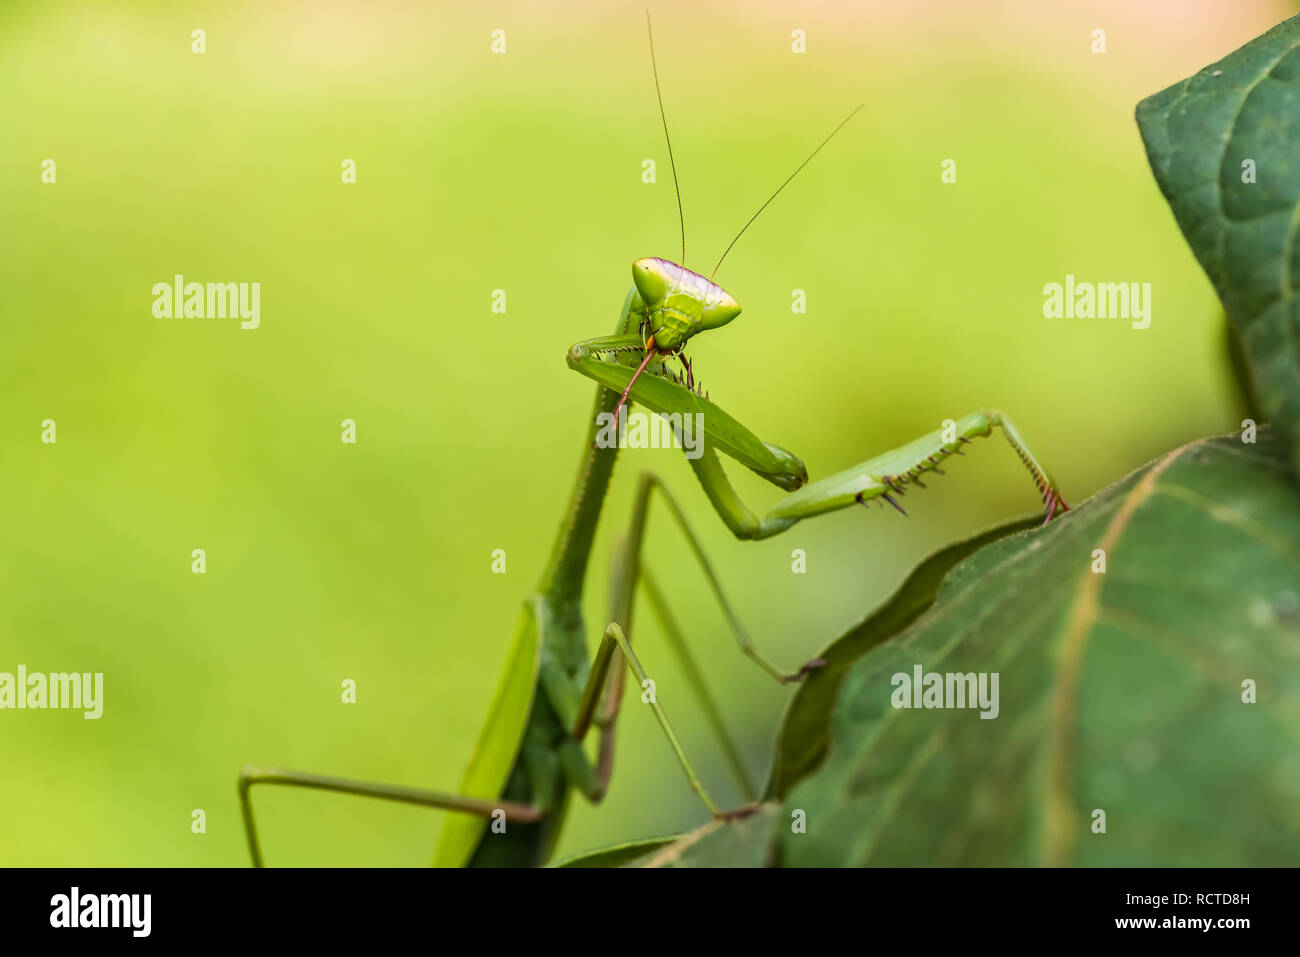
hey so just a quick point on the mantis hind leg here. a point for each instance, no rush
(694, 675)
(389, 792)
(615, 640)
(629, 573)
(594, 782)
(601, 698)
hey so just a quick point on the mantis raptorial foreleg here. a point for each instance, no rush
(882, 477)
(662, 390)
(889, 474)
(389, 792)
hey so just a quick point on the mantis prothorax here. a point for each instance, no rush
(530, 754)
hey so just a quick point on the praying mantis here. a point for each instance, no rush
(531, 754)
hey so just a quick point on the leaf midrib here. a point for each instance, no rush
(1059, 818)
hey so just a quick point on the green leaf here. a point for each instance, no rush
(1201, 136)
(618, 855)
(747, 842)
(805, 732)
(1119, 691)
(1238, 368)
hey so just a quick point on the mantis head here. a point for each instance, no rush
(679, 303)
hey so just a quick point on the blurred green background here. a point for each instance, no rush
(520, 172)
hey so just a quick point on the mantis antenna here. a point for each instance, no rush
(664, 117)
(681, 218)
(783, 185)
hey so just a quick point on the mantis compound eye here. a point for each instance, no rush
(650, 281)
(719, 310)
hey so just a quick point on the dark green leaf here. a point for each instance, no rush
(617, 855)
(747, 842)
(1119, 692)
(805, 731)
(1239, 371)
(1201, 135)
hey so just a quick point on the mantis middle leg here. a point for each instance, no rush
(601, 697)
